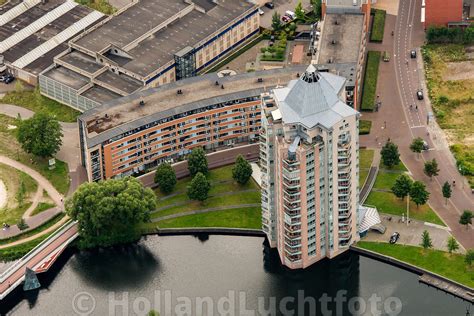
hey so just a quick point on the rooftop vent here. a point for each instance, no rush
(330, 61)
(311, 75)
(336, 22)
(298, 75)
(179, 91)
(217, 83)
(333, 42)
(106, 115)
(142, 103)
(260, 80)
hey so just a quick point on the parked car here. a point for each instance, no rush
(269, 5)
(260, 11)
(286, 18)
(386, 56)
(6, 78)
(413, 53)
(419, 94)
(394, 238)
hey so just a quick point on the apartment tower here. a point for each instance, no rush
(309, 160)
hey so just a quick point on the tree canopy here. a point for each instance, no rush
(418, 193)
(199, 187)
(108, 211)
(197, 161)
(390, 154)
(242, 170)
(431, 168)
(466, 218)
(452, 244)
(426, 240)
(402, 186)
(469, 257)
(165, 177)
(276, 22)
(446, 191)
(40, 135)
(299, 12)
(416, 145)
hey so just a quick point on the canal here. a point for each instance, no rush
(211, 275)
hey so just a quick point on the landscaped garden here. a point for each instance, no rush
(452, 266)
(451, 89)
(228, 204)
(364, 127)
(386, 202)
(370, 81)
(276, 51)
(366, 156)
(378, 25)
(10, 147)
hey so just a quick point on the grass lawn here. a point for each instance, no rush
(378, 26)
(18, 251)
(451, 266)
(10, 147)
(452, 100)
(385, 180)
(250, 217)
(100, 5)
(370, 81)
(13, 215)
(34, 231)
(41, 207)
(365, 161)
(387, 202)
(224, 192)
(364, 127)
(35, 102)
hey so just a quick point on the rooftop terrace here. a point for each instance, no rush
(341, 38)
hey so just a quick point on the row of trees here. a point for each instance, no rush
(200, 186)
(451, 244)
(454, 35)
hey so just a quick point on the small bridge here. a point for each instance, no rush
(39, 259)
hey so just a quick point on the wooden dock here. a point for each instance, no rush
(447, 287)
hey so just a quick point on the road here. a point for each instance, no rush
(397, 121)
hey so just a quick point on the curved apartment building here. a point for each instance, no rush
(309, 161)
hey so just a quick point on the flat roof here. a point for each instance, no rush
(68, 77)
(126, 113)
(99, 94)
(82, 61)
(122, 82)
(159, 48)
(340, 43)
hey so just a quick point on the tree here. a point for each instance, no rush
(199, 187)
(20, 194)
(197, 161)
(390, 155)
(469, 257)
(402, 186)
(416, 146)
(418, 193)
(431, 168)
(22, 225)
(452, 244)
(299, 12)
(426, 240)
(447, 191)
(153, 313)
(466, 218)
(316, 8)
(276, 22)
(242, 170)
(40, 135)
(165, 177)
(109, 211)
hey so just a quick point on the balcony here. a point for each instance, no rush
(293, 251)
(291, 175)
(291, 165)
(293, 258)
(343, 215)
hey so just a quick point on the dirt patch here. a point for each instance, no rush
(462, 70)
(3, 194)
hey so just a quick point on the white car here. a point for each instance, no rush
(261, 12)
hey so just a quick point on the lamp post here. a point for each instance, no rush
(408, 208)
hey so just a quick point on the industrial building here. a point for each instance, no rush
(441, 12)
(32, 32)
(146, 44)
(309, 162)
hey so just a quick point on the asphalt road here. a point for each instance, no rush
(398, 81)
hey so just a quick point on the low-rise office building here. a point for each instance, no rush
(441, 12)
(309, 162)
(146, 44)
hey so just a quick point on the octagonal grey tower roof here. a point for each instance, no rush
(313, 99)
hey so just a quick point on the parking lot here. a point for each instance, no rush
(280, 6)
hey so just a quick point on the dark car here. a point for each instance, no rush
(413, 53)
(419, 94)
(425, 145)
(394, 238)
(8, 79)
(269, 5)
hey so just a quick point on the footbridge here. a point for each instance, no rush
(39, 259)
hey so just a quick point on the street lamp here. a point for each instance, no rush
(408, 208)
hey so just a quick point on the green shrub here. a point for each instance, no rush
(370, 81)
(364, 127)
(378, 26)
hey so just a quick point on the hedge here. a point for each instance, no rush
(370, 81)
(378, 26)
(364, 127)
